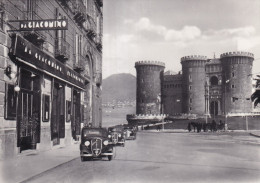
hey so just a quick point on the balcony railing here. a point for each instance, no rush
(79, 63)
(80, 14)
(36, 37)
(62, 49)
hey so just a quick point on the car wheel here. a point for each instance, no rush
(82, 158)
(110, 157)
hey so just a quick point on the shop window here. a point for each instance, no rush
(10, 102)
(1, 19)
(46, 108)
(68, 111)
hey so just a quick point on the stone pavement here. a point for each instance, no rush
(32, 163)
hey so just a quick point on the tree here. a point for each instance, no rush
(255, 97)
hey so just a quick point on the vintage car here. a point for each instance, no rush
(130, 132)
(95, 144)
(116, 134)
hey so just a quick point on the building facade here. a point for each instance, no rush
(50, 80)
(215, 86)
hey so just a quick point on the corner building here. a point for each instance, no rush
(50, 81)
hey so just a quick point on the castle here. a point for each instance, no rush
(217, 86)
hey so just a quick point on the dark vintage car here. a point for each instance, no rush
(130, 132)
(95, 144)
(116, 134)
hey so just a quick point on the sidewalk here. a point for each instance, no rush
(32, 163)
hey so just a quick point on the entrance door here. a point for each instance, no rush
(58, 120)
(28, 113)
(214, 108)
(75, 124)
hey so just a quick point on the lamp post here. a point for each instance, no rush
(225, 111)
(206, 101)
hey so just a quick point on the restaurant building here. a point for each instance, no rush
(50, 72)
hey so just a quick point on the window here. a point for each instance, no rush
(46, 108)
(190, 108)
(190, 100)
(10, 102)
(190, 78)
(233, 74)
(232, 86)
(68, 111)
(190, 87)
(1, 18)
(214, 80)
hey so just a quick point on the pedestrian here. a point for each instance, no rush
(189, 127)
(158, 127)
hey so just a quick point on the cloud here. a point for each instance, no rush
(149, 30)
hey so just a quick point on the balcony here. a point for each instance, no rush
(35, 37)
(79, 63)
(64, 2)
(98, 79)
(80, 15)
(90, 28)
(99, 2)
(99, 42)
(62, 49)
(2, 7)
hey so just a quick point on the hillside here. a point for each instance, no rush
(119, 87)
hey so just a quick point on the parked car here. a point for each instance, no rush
(116, 134)
(130, 132)
(95, 144)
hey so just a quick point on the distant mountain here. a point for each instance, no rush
(119, 87)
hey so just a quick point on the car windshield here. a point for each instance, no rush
(93, 132)
(115, 129)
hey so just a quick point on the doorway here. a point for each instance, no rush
(57, 115)
(28, 111)
(214, 108)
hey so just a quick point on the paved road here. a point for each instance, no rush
(167, 157)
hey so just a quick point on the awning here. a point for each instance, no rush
(29, 54)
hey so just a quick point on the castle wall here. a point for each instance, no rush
(149, 87)
(172, 94)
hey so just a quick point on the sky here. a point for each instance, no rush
(166, 30)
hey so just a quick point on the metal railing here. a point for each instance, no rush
(62, 49)
(79, 62)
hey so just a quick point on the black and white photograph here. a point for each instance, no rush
(133, 91)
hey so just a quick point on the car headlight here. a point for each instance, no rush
(87, 143)
(109, 136)
(105, 142)
(119, 135)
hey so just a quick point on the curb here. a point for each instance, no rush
(255, 135)
(46, 171)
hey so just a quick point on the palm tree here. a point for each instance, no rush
(255, 97)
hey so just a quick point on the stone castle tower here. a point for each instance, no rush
(149, 87)
(194, 77)
(237, 81)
